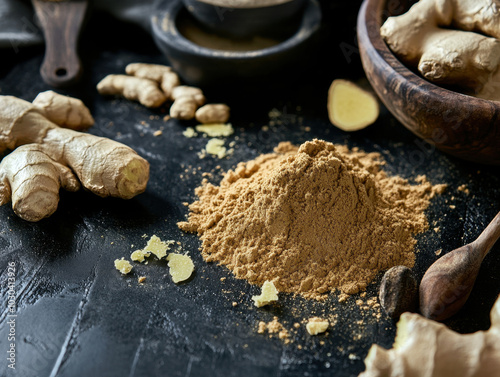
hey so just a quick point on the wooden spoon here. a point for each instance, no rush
(61, 22)
(447, 284)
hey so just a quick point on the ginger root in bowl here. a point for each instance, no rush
(444, 116)
(450, 42)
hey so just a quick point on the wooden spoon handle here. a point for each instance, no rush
(61, 22)
(489, 236)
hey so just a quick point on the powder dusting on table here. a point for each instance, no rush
(313, 219)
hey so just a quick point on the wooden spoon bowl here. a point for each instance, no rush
(458, 124)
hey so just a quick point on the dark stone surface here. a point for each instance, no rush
(77, 316)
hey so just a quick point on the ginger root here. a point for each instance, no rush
(213, 113)
(64, 111)
(153, 72)
(52, 156)
(162, 74)
(422, 38)
(145, 91)
(425, 348)
(187, 99)
(350, 107)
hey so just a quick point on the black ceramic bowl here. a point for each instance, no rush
(245, 20)
(203, 58)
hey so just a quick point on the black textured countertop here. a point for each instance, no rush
(77, 316)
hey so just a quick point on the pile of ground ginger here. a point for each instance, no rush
(312, 219)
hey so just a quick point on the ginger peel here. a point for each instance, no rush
(54, 157)
(427, 348)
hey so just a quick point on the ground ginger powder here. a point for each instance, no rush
(312, 219)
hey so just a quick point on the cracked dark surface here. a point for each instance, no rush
(78, 316)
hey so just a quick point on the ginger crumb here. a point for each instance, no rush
(123, 266)
(141, 279)
(158, 133)
(262, 327)
(216, 147)
(139, 255)
(296, 325)
(235, 303)
(316, 325)
(438, 252)
(268, 294)
(223, 279)
(216, 129)
(181, 267)
(189, 132)
(158, 247)
(166, 118)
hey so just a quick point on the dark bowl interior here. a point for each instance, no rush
(206, 59)
(245, 22)
(458, 124)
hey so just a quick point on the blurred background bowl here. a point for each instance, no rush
(246, 18)
(204, 58)
(458, 124)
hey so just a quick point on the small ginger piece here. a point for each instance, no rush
(140, 255)
(425, 348)
(32, 175)
(123, 266)
(316, 325)
(181, 267)
(64, 111)
(216, 147)
(183, 108)
(146, 91)
(153, 72)
(187, 99)
(141, 279)
(189, 91)
(169, 81)
(268, 294)
(213, 113)
(158, 247)
(216, 130)
(350, 107)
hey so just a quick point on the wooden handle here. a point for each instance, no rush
(489, 236)
(61, 22)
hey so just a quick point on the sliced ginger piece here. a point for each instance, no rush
(268, 294)
(140, 255)
(350, 107)
(181, 267)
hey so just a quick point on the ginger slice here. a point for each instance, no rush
(350, 107)
(181, 267)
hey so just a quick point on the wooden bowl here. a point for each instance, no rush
(458, 124)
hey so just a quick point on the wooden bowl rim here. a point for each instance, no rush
(369, 23)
